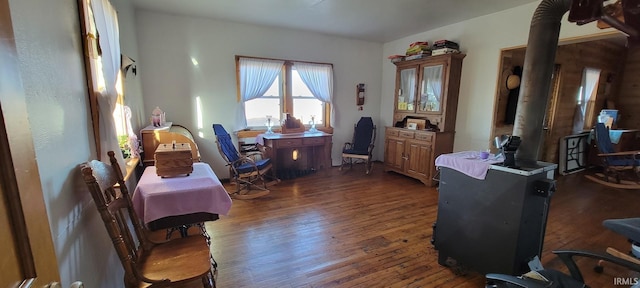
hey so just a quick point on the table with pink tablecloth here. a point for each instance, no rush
(199, 193)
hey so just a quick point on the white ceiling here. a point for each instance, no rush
(371, 20)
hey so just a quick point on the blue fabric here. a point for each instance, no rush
(248, 167)
(226, 144)
(362, 137)
(605, 146)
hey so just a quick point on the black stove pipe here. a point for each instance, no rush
(536, 77)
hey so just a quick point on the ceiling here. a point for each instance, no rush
(370, 20)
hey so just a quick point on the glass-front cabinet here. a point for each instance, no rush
(431, 89)
(427, 88)
(424, 115)
(406, 81)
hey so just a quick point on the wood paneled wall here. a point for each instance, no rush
(628, 100)
(572, 58)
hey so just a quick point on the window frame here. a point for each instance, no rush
(286, 99)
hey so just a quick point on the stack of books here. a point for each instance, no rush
(444, 47)
(417, 50)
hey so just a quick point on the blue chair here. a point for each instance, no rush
(621, 169)
(361, 147)
(248, 173)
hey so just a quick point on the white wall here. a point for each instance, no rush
(52, 69)
(481, 39)
(170, 80)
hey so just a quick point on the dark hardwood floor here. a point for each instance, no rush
(348, 229)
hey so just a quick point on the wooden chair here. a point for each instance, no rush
(361, 147)
(146, 263)
(621, 169)
(248, 173)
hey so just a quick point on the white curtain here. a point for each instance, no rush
(256, 76)
(106, 20)
(590, 79)
(319, 80)
(433, 76)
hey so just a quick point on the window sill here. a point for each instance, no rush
(131, 164)
(254, 133)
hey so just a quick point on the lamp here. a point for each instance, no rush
(126, 63)
(295, 154)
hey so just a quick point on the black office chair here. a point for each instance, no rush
(629, 228)
(247, 173)
(361, 147)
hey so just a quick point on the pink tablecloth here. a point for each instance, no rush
(468, 162)
(201, 191)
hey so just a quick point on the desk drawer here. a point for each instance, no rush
(424, 137)
(391, 132)
(288, 143)
(313, 141)
(406, 134)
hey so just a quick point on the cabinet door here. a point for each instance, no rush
(406, 83)
(431, 88)
(394, 152)
(419, 159)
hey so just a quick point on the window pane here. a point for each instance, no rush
(256, 111)
(304, 104)
(298, 87)
(304, 108)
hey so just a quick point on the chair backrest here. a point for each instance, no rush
(364, 134)
(603, 139)
(225, 144)
(116, 210)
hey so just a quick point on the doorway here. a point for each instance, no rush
(607, 54)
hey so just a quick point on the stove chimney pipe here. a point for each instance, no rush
(536, 77)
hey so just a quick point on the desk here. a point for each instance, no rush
(164, 202)
(314, 149)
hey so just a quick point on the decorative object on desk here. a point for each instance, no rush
(144, 261)
(173, 159)
(269, 124)
(362, 144)
(418, 124)
(157, 117)
(292, 125)
(312, 123)
(248, 173)
(621, 169)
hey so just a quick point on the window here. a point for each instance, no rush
(104, 77)
(583, 117)
(288, 88)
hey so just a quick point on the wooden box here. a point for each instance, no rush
(173, 161)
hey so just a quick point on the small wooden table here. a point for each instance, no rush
(164, 203)
(313, 150)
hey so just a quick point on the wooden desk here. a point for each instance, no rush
(164, 203)
(314, 150)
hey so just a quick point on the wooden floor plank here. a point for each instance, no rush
(348, 229)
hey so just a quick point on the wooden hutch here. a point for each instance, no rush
(426, 89)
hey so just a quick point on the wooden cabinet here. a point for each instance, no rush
(425, 89)
(412, 153)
